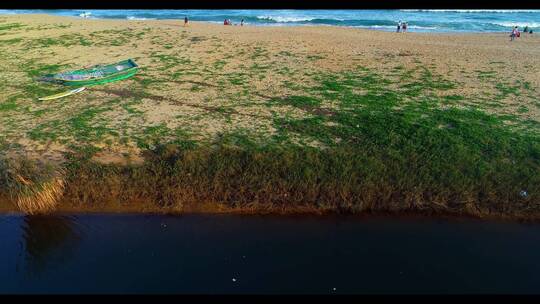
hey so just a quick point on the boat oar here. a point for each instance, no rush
(63, 94)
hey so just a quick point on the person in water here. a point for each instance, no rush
(185, 21)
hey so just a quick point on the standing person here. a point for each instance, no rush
(513, 34)
(242, 22)
(398, 26)
(225, 22)
(404, 27)
(526, 29)
(185, 21)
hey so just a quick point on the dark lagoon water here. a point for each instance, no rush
(215, 254)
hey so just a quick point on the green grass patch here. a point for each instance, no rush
(315, 57)
(82, 125)
(10, 41)
(9, 105)
(5, 28)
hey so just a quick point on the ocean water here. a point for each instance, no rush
(418, 20)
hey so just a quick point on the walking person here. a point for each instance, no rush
(398, 26)
(242, 22)
(185, 21)
(404, 27)
(513, 34)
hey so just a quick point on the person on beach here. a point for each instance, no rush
(526, 29)
(398, 26)
(225, 22)
(404, 27)
(185, 21)
(513, 34)
(242, 22)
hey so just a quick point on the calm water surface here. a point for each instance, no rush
(260, 254)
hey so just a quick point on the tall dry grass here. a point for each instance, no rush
(35, 186)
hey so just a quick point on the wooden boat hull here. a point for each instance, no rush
(99, 74)
(103, 80)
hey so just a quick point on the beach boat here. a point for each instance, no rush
(98, 74)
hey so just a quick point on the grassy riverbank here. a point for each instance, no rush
(262, 119)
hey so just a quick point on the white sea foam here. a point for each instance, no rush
(138, 18)
(285, 19)
(423, 27)
(470, 11)
(519, 24)
(7, 12)
(394, 26)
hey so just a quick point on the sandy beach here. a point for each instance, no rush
(210, 53)
(205, 80)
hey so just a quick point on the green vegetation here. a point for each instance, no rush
(10, 41)
(5, 28)
(283, 133)
(379, 148)
(8, 105)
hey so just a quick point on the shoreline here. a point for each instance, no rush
(220, 210)
(180, 24)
